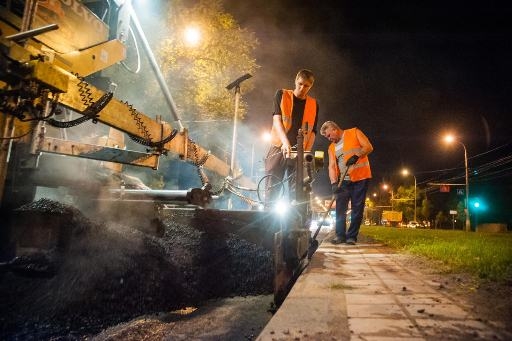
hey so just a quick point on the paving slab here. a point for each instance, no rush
(360, 292)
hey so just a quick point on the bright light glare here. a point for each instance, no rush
(478, 204)
(266, 136)
(327, 224)
(281, 207)
(192, 36)
(405, 172)
(449, 138)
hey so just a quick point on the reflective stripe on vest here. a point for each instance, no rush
(361, 170)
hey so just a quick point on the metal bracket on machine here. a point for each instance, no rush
(95, 152)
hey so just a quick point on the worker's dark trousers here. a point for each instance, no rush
(355, 193)
(276, 166)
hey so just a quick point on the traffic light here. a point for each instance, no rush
(477, 204)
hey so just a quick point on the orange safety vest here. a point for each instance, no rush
(286, 112)
(361, 170)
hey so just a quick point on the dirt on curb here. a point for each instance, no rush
(489, 301)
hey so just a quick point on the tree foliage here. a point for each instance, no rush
(198, 75)
(404, 201)
(426, 209)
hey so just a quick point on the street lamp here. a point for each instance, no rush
(386, 187)
(406, 172)
(236, 85)
(192, 36)
(450, 139)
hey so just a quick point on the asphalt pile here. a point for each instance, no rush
(107, 275)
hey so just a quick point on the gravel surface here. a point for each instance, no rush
(237, 318)
(117, 283)
(109, 275)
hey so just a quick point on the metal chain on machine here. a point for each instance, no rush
(199, 161)
(92, 107)
(138, 121)
(244, 198)
(91, 113)
(146, 139)
(84, 91)
(68, 124)
(157, 144)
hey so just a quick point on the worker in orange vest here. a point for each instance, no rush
(293, 109)
(348, 156)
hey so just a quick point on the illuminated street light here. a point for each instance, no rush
(406, 172)
(450, 139)
(192, 36)
(386, 187)
(478, 205)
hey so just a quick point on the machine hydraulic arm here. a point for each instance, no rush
(33, 88)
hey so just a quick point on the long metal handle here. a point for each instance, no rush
(330, 205)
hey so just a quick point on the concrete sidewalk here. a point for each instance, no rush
(361, 292)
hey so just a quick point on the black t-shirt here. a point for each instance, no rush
(297, 115)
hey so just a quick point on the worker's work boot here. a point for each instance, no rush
(338, 240)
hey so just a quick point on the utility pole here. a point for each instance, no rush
(450, 139)
(235, 84)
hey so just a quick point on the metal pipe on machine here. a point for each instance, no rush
(194, 196)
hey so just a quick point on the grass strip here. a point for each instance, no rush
(487, 255)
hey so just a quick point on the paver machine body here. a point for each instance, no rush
(50, 53)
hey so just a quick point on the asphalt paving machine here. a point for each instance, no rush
(51, 52)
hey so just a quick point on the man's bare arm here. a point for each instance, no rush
(277, 122)
(366, 146)
(333, 174)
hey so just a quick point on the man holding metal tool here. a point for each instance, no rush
(293, 109)
(350, 173)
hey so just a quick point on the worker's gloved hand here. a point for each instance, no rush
(352, 160)
(286, 149)
(334, 188)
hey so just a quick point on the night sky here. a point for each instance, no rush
(403, 72)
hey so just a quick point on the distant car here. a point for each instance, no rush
(413, 224)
